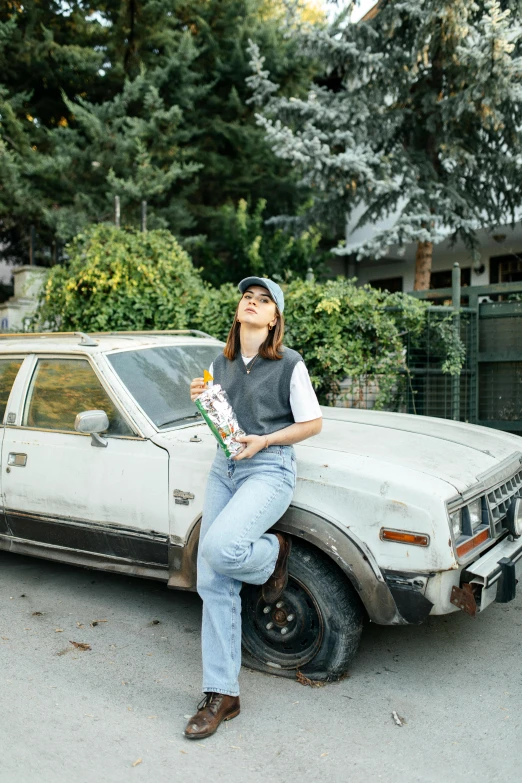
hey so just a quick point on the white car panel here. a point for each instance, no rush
(65, 477)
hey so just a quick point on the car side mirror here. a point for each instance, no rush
(93, 423)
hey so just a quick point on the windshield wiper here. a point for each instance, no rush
(180, 418)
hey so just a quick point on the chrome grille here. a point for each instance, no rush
(499, 500)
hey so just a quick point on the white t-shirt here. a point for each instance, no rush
(303, 399)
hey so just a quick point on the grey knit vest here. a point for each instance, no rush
(261, 399)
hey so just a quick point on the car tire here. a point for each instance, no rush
(322, 615)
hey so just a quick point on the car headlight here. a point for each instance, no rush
(456, 523)
(514, 517)
(474, 511)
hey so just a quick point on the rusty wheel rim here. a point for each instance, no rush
(287, 634)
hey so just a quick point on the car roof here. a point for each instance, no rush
(99, 342)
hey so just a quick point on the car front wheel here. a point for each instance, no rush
(314, 627)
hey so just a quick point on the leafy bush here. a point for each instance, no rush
(216, 310)
(347, 331)
(341, 330)
(245, 245)
(122, 280)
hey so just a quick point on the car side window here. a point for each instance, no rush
(62, 388)
(8, 372)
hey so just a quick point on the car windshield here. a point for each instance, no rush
(159, 379)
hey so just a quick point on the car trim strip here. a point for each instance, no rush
(140, 547)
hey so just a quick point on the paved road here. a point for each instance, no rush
(82, 716)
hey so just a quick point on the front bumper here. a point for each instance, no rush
(494, 576)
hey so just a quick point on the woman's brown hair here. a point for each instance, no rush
(269, 349)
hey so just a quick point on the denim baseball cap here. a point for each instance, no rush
(275, 291)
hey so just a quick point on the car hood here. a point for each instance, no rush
(457, 454)
(451, 451)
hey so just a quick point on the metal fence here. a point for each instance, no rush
(488, 389)
(422, 386)
(428, 389)
(499, 365)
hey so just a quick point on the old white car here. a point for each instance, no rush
(395, 517)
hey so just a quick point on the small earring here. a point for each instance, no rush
(270, 328)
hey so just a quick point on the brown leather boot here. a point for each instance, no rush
(274, 586)
(214, 708)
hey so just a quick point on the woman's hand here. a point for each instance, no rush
(197, 387)
(254, 443)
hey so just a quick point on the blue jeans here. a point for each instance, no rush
(242, 501)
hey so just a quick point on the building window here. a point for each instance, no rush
(506, 269)
(391, 284)
(442, 278)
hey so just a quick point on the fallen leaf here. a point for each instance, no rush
(397, 718)
(80, 625)
(183, 751)
(97, 622)
(65, 651)
(135, 763)
(58, 630)
(5, 638)
(236, 747)
(80, 645)
(37, 614)
(301, 678)
(152, 716)
(323, 755)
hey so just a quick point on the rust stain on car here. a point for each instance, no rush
(463, 598)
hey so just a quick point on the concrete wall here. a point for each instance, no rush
(14, 313)
(500, 242)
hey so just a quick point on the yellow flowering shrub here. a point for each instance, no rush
(121, 279)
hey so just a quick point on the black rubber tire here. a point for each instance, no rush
(327, 613)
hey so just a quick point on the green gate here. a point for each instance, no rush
(489, 389)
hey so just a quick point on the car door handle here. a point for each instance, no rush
(18, 460)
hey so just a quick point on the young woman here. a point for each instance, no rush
(270, 391)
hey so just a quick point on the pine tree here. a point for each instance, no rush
(236, 161)
(45, 48)
(145, 99)
(418, 113)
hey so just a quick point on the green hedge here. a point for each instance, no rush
(122, 280)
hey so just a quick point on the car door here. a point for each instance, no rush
(9, 367)
(62, 490)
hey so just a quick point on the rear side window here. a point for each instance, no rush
(8, 372)
(62, 388)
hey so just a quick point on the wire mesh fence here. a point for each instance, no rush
(429, 389)
(423, 385)
(488, 388)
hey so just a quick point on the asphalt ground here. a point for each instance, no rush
(116, 712)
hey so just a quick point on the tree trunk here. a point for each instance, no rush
(423, 259)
